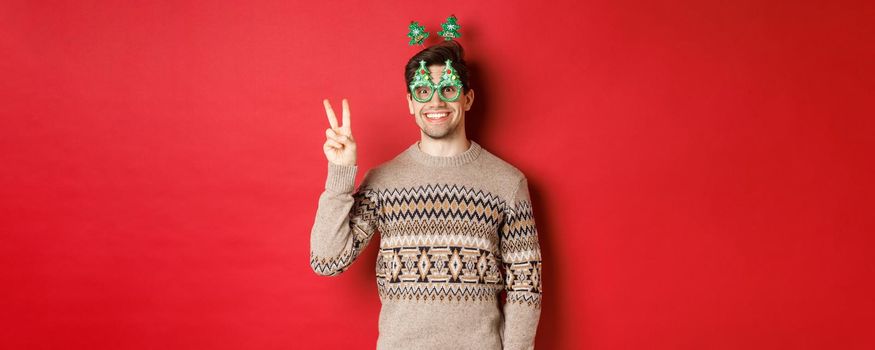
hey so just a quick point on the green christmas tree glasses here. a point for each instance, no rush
(422, 88)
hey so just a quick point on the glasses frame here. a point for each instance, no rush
(449, 77)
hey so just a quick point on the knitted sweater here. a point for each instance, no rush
(454, 233)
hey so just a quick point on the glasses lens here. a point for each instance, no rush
(422, 93)
(450, 93)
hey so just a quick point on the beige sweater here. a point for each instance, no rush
(454, 233)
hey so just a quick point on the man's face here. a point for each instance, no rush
(437, 118)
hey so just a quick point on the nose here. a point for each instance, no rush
(436, 99)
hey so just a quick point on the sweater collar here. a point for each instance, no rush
(467, 156)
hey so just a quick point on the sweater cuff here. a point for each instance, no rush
(341, 178)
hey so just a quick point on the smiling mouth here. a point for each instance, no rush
(436, 116)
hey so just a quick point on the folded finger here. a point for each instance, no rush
(333, 144)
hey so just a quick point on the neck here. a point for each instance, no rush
(445, 147)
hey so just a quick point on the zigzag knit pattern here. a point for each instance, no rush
(522, 256)
(439, 243)
(363, 221)
(455, 233)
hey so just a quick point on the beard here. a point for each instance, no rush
(440, 131)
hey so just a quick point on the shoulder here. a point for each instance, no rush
(505, 177)
(500, 168)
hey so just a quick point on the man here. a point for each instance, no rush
(455, 223)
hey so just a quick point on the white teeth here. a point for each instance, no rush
(435, 115)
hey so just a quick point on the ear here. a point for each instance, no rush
(410, 103)
(469, 99)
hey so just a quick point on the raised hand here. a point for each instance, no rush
(339, 145)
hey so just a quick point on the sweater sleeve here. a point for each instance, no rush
(345, 221)
(521, 255)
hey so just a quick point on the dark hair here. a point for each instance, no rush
(438, 54)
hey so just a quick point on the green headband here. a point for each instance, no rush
(418, 34)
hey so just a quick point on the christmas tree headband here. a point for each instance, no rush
(418, 34)
(450, 85)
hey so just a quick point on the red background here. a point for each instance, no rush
(698, 168)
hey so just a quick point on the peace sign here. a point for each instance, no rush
(339, 145)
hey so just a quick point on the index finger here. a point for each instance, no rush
(332, 119)
(346, 122)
